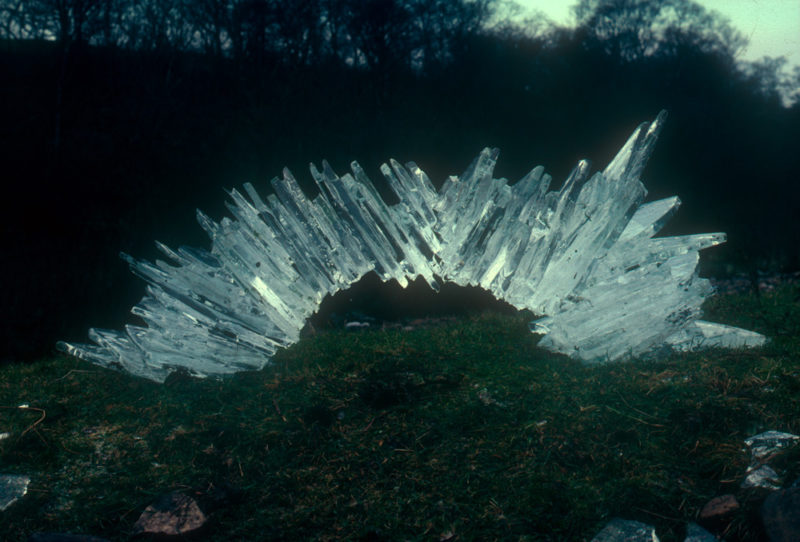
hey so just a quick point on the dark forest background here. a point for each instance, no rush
(118, 118)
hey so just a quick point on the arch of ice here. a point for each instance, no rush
(585, 256)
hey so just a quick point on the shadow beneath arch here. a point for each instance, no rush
(377, 303)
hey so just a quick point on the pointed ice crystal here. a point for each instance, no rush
(585, 257)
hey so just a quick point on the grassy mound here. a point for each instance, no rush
(460, 431)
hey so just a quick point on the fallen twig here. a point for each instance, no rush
(278, 410)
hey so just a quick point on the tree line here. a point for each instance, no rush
(365, 34)
(417, 35)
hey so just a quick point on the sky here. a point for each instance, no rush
(772, 26)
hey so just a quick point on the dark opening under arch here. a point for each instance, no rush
(376, 302)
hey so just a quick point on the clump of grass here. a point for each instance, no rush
(466, 430)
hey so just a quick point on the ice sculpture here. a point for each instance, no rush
(584, 256)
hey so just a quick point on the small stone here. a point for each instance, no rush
(780, 514)
(623, 530)
(719, 506)
(695, 533)
(763, 476)
(173, 514)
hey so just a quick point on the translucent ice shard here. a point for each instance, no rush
(585, 256)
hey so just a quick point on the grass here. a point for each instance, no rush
(463, 431)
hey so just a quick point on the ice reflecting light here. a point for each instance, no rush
(585, 256)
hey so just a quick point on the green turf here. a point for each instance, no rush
(465, 431)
